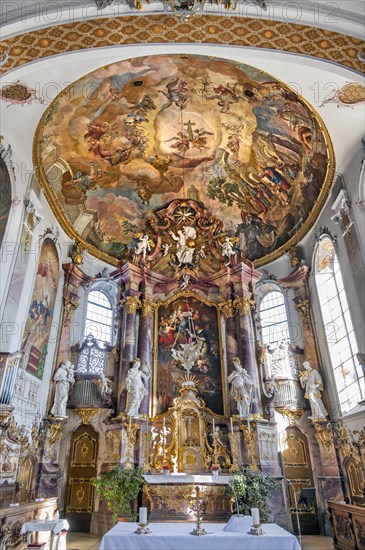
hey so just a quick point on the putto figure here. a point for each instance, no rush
(136, 389)
(64, 378)
(242, 388)
(312, 383)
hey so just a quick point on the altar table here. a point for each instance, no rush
(176, 536)
(55, 527)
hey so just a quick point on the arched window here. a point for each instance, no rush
(340, 337)
(99, 317)
(273, 318)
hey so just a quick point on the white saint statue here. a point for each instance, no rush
(142, 246)
(185, 246)
(242, 388)
(136, 389)
(312, 383)
(64, 378)
(227, 250)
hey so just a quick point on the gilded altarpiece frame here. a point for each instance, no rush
(209, 369)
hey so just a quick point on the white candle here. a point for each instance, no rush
(232, 425)
(255, 514)
(213, 426)
(143, 515)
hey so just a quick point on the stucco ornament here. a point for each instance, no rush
(136, 389)
(311, 381)
(241, 388)
(64, 378)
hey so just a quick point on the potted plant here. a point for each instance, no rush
(166, 469)
(251, 489)
(119, 487)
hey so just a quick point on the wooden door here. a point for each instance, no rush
(298, 475)
(81, 470)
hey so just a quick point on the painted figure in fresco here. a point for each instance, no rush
(185, 244)
(176, 93)
(276, 178)
(227, 250)
(136, 389)
(311, 381)
(74, 188)
(241, 388)
(64, 378)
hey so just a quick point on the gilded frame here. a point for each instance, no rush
(222, 362)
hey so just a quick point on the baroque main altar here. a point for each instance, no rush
(168, 395)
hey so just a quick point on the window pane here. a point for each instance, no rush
(274, 325)
(99, 317)
(338, 327)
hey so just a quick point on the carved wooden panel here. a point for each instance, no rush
(298, 473)
(81, 471)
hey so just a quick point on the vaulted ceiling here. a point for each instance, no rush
(287, 74)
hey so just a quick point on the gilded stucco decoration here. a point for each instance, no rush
(206, 29)
(142, 132)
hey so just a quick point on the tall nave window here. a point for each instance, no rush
(340, 337)
(273, 318)
(99, 317)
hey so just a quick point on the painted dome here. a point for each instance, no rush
(130, 137)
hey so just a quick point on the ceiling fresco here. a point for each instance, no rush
(130, 137)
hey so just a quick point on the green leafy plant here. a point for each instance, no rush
(251, 489)
(119, 487)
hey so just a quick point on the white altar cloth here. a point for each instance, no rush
(176, 536)
(55, 527)
(188, 478)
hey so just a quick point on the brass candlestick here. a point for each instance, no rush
(199, 530)
(234, 442)
(143, 529)
(215, 447)
(255, 530)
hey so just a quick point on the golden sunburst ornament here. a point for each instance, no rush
(184, 214)
(188, 381)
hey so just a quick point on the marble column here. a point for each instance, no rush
(297, 281)
(245, 305)
(231, 344)
(145, 347)
(131, 304)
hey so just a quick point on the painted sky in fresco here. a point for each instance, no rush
(130, 137)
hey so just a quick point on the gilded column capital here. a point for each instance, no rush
(70, 304)
(148, 308)
(303, 308)
(131, 303)
(227, 308)
(244, 305)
